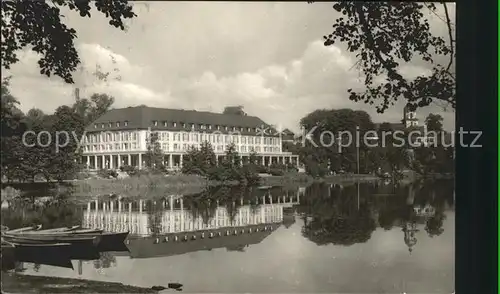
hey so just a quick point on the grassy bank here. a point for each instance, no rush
(16, 283)
(151, 186)
(288, 180)
(145, 186)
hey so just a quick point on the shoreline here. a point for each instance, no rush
(151, 186)
(21, 283)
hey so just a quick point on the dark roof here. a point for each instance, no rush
(286, 134)
(142, 117)
(146, 247)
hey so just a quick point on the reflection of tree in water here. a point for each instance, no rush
(154, 210)
(57, 212)
(201, 205)
(436, 194)
(434, 225)
(106, 260)
(204, 204)
(340, 231)
(232, 200)
(393, 209)
(334, 216)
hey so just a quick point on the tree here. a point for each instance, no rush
(232, 158)
(434, 122)
(38, 25)
(12, 129)
(154, 153)
(190, 162)
(332, 217)
(328, 125)
(199, 161)
(64, 160)
(36, 158)
(252, 158)
(384, 36)
(394, 154)
(93, 108)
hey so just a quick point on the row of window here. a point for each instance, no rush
(218, 138)
(179, 124)
(182, 137)
(193, 126)
(111, 137)
(175, 147)
(110, 125)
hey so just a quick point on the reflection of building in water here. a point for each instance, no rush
(424, 211)
(117, 216)
(409, 230)
(179, 232)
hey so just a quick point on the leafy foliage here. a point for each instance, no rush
(203, 162)
(329, 155)
(199, 161)
(56, 155)
(154, 153)
(93, 108)
(38, 25)
(434, 122)
(384, 36)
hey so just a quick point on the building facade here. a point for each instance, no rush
(120, 137)
(167, 227)
(115, 216)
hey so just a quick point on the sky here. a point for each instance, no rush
(265, 56)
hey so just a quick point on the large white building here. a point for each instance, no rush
(119, 137)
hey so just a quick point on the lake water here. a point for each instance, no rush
(323, 238)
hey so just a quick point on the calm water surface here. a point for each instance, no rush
(322, 238)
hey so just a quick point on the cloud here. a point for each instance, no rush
(264, 56)
(283, 94)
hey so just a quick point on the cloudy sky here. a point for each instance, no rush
(267, 57)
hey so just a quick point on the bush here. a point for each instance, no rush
(262, 169)
(292, 168)
(249, 173)
(127, 168)
(316, 169)
(276, 172)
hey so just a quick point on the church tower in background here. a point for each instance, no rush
(409, 117)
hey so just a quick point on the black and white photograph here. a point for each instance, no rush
(229, 147)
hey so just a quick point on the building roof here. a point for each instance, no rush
(286, 134)
(146, 247)
(142, 117)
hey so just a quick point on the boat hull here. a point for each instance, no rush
(80, 248)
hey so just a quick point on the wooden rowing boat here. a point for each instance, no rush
(21, 230)
(55, 230)
(57, 254)
(61, 232)
(84, 248)
(48, 239)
